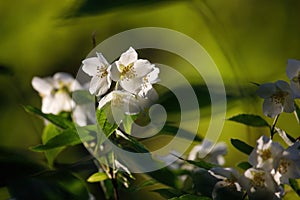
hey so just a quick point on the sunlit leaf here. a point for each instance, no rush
(244, 165)
(241, 146)
(68, 137)
(97, 177)
(295, 185)
(250, 120)
(57, 120)
(104, 123)
(143, 185)
(51, 131)
(128, 121)
(201, 164)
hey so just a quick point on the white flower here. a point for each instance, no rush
(228, 181)
(259, 184)
(148, 81)
(278, 98)
(289, 165)
(208, 152)
(121, 102)
(55, 92)
(130, 71)
(293, 73)
(84, 114)
(99, 69)
(266, 154)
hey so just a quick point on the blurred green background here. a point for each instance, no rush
(249, 40)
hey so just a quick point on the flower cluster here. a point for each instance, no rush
(279, 96)
(133, 79)
(56, 93)
(272, 167)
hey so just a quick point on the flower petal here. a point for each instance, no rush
(266, 90)
(42, 85)
(289, 105)
(131, 85)
(295, 86)
(63, 101)
(293, 68)
(271, 109)
(142, 67)
(284, 86)
(128, 57)
(63, 77)
(99, 86)
(102, 60)
(90, 66)
(114, 72)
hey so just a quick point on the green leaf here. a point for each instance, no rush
(97, 177)
(141, 186)
(250, 120)
(201, 164)
(104, 123)
(168, 192)
(57, 120)
(130, 143)
(244, 165)
(128, 121)
(51, 131)
(190, 197)
(68, 137)
(241, 146)
(165, 176)
(294, 184)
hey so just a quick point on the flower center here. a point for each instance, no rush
(284, 164)
(279, 97)
(127, 72)
(117, 100)
(265, 154)
(62, 87)
(102, 71)
(258, 179)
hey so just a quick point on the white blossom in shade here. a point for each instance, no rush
(293, 73)
(278, 98)
(289, 165)
(148, 100)
(55, 92)
(260, 184)
(148, 80)
(84, 114)
(228, 181)
(266, 155)
(99, 69)
(129, 71)
(120, 103)
(208, 152)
